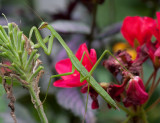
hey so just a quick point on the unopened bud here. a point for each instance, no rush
(104, 85)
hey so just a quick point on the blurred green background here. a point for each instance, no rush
(73, 20)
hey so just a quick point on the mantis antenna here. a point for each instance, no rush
(36, 13)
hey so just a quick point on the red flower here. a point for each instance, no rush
(156, 31)
(136, 94)
(157, 52)
(153, 50)
(115, 90)
(137, 30)
(65, 66)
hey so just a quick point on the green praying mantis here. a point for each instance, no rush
(76, 64)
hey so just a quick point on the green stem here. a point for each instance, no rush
(149, 79)
(128, 119)
(153, 84)
(153, 105)
(144, 117)
(124, 109)
(38, 105)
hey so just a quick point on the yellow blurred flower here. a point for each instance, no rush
(125, 46)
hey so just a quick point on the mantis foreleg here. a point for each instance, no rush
(59, 75)
(42, 42)
(45, 40)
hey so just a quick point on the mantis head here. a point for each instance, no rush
(43, 25)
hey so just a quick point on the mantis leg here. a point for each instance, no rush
(45, 40)
(81, 77)
(86, 105)
(84, 53)
(99, 60)
(101, 57)
(41, 42)
(54, 76)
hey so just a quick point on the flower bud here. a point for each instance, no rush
(136, 94)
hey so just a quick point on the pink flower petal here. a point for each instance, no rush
(81, 50)
(75, 81)
(156, 31)
(67, 83)
(130, 29)
(93, 56)
(138, 29)
(136, 94)
(86, 62)
(115, 91)
(95, 104)
(64, 66)
(61, 83)
(146, 26)
(157, 53)
(158, 19)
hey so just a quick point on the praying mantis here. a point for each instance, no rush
(76, 64)
(22, 53)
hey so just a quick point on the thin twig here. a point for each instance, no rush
(153, 82)
(142, 74)
(153, 105)
(10, 96)
(23, 82)
(149, 79)
(144, 116)
(128, 119)
(86, 105)
(157, 83)
(93, 25)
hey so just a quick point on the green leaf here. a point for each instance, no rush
(2, 91)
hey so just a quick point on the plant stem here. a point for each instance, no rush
(144, 116)
(38, 105)
(124, 109)
(153, 105)
(153, 83)
(128, 119)
(93, 25)
(142, 74)
(149, 79)
(157, 83)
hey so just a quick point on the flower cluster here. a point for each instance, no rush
(138, 31)
(130, 88)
